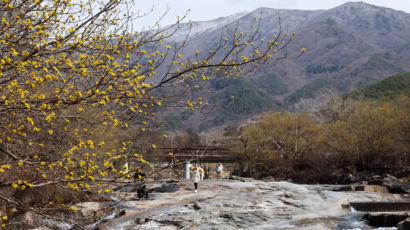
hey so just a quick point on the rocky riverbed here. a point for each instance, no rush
(235, 204)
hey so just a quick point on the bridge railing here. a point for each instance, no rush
(200, 153)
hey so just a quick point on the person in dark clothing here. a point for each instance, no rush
(142, 192)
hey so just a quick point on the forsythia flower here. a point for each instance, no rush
(30, 121)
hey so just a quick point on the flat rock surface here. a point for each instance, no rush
(233, 204)
(381, 206)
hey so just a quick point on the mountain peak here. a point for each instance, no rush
(360, 5)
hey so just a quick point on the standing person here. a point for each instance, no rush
(219, 169)
(201, 173)
(196, 177)
(206, 172)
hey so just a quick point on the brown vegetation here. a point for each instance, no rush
(356, 136)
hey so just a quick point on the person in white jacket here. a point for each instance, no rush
(196, 177)
(219, 169)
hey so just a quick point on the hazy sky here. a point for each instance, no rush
(210, 9)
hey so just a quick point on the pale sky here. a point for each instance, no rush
(201, 10)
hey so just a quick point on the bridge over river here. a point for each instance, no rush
(210, 154)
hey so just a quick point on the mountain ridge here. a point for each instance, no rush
(349, 46)
(387, 88)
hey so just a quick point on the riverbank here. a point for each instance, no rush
(248, 204)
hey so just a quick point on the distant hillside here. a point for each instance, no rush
(238, 99)
(350, 46)
(387, 88)
(233, 99)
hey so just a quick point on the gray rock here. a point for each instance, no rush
(120, 213)
(381, 206)
(139, 221)
(395, 186)
(343, 188)
(385, 219)
(233, 204)
(196, 206)
(404, 225)
(243, 179)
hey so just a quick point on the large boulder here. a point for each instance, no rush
(404, 225)
(395, 186)
(385, 219)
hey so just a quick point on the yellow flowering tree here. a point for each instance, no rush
(73, 74)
